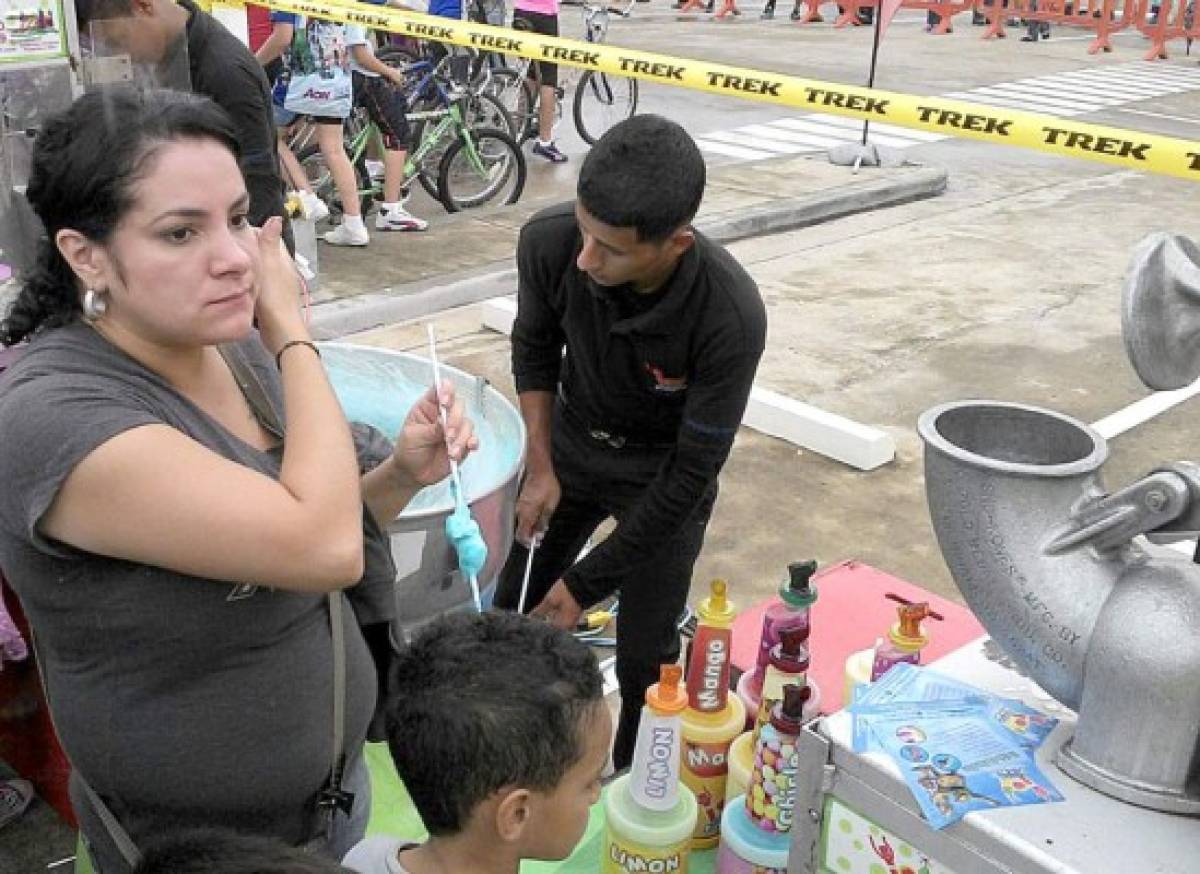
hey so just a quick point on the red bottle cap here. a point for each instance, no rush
(790, 655)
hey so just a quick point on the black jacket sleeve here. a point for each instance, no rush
(239, 86)
(538, 339)
(726, 361)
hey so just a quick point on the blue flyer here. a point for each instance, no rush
(955, 764)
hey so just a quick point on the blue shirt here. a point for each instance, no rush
(446, 8)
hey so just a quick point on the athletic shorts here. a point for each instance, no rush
(386, 106)
(546, 25)
(284, 117)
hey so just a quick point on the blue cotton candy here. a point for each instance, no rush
(463, 532)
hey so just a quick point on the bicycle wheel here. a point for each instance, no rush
(464, 183)
(515, 93)
(431, 162)
(481, 112)
(488, 111)
(601, 101)
(321, 180)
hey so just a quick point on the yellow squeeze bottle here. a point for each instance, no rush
(713, 717)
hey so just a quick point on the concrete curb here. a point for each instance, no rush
(375, 309)
(372, 310)
(825, 206)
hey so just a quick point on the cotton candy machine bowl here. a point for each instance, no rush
(378, 387)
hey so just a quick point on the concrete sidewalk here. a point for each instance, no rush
(468, 257)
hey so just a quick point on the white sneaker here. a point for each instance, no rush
(314, 208)
(399, 219)
(15, 796)
(344, 236)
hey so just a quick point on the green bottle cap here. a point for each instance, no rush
(798, 590)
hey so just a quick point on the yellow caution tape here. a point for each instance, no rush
(1044, 133)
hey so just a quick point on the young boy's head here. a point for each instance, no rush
(218, 851)
(499, 730)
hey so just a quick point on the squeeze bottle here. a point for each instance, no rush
(649, 816)
(713, 717)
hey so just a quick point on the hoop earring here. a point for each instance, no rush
(94, 305)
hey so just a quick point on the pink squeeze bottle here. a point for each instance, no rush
(796, 596)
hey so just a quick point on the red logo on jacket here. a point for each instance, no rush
(665, 383)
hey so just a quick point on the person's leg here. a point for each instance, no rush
(573, 522)
(297, 179)
(388, 109)
(647, 636)
(293, 171)
(547, 25)
(333, 150)
(546, 113)
(1032, 28)
(352, 231)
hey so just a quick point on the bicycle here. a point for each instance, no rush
(430, 84)
(433, 95)
(601, 100)
(491, 158)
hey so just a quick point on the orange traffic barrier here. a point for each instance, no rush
(944, 8)
(1097, 15)
(812, 12)
(1175, 20)
(850, 11)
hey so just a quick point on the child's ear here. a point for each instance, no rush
(513, 814)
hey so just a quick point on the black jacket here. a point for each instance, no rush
(678, 374)
(225, 71)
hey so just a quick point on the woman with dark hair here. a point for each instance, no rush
(174, 551)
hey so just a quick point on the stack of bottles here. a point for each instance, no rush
(755, 826)
(649, 815)
(788, 667)
(796, 597)
(713, 717)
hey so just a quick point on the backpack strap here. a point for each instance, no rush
(333, 798)
(120, 838)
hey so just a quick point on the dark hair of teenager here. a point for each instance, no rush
(87, 11)
(86, 161)
(646, 173)
(219, 851)
(485, 701)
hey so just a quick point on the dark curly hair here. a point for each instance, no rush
(218, 851)
(484, 701)
(86, 160)
(646, 173)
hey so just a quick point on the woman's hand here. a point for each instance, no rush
(278, 286)
(421, 446)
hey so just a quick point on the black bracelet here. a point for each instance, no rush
(289, 344)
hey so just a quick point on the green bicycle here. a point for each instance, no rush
(477, 165)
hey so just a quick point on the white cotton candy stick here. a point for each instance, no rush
(533, 544)
(460, 497)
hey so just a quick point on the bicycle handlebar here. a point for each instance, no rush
(591, 7)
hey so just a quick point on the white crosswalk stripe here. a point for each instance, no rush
(1067, 94)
